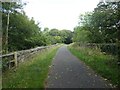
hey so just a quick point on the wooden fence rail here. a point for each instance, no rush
(13, 59)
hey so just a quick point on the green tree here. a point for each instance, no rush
(7, 9)
(105, 20)
(23, 32)
(81, 35)
(66, 36)
(58, 36)
(102, 23)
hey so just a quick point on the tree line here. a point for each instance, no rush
(100, 26)
(25, 33)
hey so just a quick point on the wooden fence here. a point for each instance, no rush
(13, 59)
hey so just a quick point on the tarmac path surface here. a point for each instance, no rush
(67, 71)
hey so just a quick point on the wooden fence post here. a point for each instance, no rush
(15, 57)
(9, 65)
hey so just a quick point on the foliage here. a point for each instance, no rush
(66, 35)
(23, 33)
(103, 64)
(58, 36)
(102, 23)
(105, 20)
(81, 35)
(100, 26)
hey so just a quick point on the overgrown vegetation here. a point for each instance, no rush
(105, 65)
(32, 73)
(100, 26)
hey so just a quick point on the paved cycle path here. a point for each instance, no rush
(67, 71)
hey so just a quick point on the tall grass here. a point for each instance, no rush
(32, 73)
(105, 65)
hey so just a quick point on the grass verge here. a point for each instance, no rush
(32, 73)
(103, 64)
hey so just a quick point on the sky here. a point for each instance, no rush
(60, 14)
